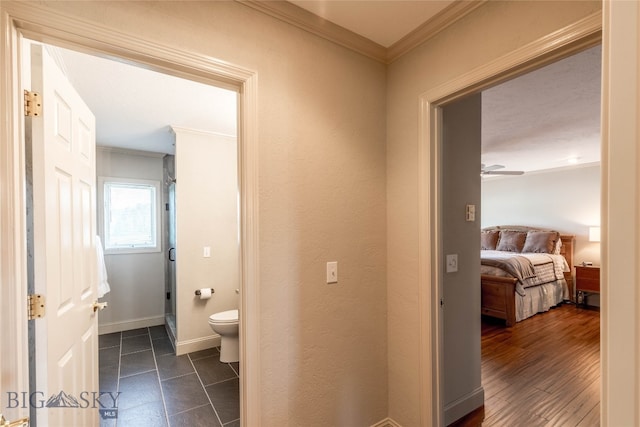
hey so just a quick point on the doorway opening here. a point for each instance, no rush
(141, 130)
(69, 33)
(540, 143)
(431, 192)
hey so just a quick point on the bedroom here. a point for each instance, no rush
(550, 142)
(553, 192)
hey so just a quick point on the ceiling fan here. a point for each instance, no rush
(494, 170)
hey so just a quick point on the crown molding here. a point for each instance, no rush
(449, 15)
(307, 21)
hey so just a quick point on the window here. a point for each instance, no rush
(130, 221)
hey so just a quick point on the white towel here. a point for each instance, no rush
(103, 285)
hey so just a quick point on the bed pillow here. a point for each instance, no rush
(489, 240)
(558, 249)
(511, 241)
(541, 241)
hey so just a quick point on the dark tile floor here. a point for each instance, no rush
(158, 388)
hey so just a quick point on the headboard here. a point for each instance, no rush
(566, 249)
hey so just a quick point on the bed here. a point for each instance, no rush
(524, 271)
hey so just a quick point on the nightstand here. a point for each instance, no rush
(587, 281)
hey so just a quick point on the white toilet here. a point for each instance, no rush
(225, 324)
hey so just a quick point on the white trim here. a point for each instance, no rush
(34, 20)
(443, 19)
(464, 405)
(201, 132)
(314, 24)
(129, 152)
(197, 344)
(102, 204)
(127, 325)
(387, 422)
(13, 270)
(620, 215)
(544, 50)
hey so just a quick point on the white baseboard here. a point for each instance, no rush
(387, 422)
(463, 406)
(126, 325)
(197, 344)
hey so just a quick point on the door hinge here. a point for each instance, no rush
(23, 422)
(32, 104)
(35, 306)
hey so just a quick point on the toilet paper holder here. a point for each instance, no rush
(198, 291)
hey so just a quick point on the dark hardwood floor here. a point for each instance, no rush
(544, 371)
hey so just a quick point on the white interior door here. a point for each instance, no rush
(64, 200)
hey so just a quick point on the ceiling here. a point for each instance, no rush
(135, 107)
(544, 119)
(382, 21)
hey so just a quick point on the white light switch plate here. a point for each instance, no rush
(332, 272)
(206, 252)
(452, 263)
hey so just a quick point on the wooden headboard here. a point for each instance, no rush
(567, 250)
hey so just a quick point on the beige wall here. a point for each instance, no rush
(488, 33)
(206, 215)
(321, 123)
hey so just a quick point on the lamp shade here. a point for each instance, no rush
(594, 234)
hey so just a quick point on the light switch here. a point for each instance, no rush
(452, 263)
(471, 213)
(206, 253)
(332, 272)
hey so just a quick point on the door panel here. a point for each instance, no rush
(63, 147)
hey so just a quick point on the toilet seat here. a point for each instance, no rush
(224, 317)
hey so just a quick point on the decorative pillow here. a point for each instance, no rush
(489, 240)
(558, 249)
(541, 241)
(511, 241)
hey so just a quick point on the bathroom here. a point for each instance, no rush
(199, 384)
(188, 150)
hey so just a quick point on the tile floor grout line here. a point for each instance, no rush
(205, 390)
(234, 370)
(191, 409)
(177, 376)
(155, 362)
(221, 381)
(138, 373)
(118, 376)
(134, 352)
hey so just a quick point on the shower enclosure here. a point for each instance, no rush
(169, 198)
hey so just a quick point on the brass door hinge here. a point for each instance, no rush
(23, 422)
(36, 306)
(32, 104)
